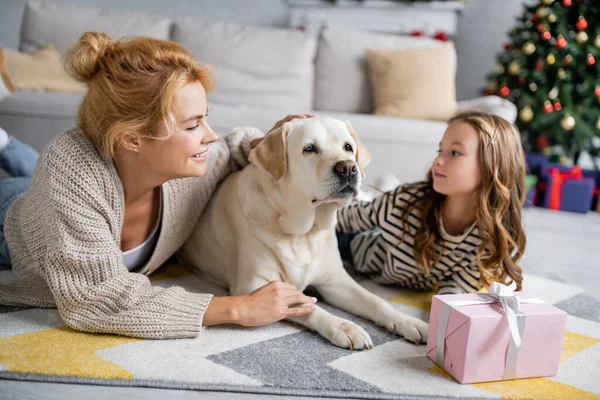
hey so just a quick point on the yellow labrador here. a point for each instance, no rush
(275, 220)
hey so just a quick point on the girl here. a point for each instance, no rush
(111, 201)
(459, 230)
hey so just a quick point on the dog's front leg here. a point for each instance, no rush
(340, 290)
(339, 331)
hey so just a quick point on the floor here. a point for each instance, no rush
(561, 246)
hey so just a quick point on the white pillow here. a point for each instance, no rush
(342, 82)
(61, 24)
(258, 66)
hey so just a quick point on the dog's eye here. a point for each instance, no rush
(348, 147)
(310, 149)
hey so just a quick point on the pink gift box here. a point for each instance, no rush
(477, 339)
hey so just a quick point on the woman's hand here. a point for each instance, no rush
(270, 303)
(279, 123)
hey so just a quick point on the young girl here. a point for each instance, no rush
(459, 230)
(110, 201)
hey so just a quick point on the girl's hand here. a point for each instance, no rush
(272, 302)
(255, 142)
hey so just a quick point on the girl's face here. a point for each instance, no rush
(456, 170)
(185, 152)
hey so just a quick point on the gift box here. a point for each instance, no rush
(531, 186)
(568, 189)
(495, 336)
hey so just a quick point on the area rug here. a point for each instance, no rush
(286, 359)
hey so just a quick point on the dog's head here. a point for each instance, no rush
(320, 156)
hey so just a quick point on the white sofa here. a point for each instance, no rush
(262, 75)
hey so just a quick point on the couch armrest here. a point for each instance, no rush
(491, 104)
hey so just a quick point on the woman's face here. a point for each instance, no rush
(185, 151)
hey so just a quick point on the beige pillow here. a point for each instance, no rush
(6, 85)
(42, 70)
(417, 83)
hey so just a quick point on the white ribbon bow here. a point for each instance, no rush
(506, 297)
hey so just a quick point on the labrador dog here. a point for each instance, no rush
(276, 219)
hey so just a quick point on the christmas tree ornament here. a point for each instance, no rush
(526, 114)
(504, 91)
(561, 73)
(552, 18)
(541, 27)
(533, 87)
(598, 124)
(541, 142)
(528, 48)
(539, 64)
(493, 86)
(567, 3)
(597, 41)
(548, 2)
(581, 37)
(499, 68)
(547, 152)
(546, 35)
(553, 93)
(597, 91)
(557, 106)
(528, 24)
(548, 107)
(568, 122)
(550, 60)
(590, 60)
(506, 46)
(541, 12)
(522, 80)
(514, 67)
(581, 23)
(561, 42)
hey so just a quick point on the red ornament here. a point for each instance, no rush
(597, 91)
(590, 60)
(416, 32)
(522, 81)
(539, 64)
(557, 106)
(441, 36)
(542, 142)
(506, 46)
(540, 27)
(581, 23)
(487, 92)
(504, 91)
(567, 3)
(546, 35)
(548, 107)
(561, 42)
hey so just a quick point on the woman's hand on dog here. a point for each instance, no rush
(267, 304)
(279, 123)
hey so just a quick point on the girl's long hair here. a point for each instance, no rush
(501, 197)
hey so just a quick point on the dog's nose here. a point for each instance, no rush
(345, 168)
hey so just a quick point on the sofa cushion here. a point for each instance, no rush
(40, 70)
(341, 80)
(61, 24)
(416, 83)
(259, 66)
(6, 85)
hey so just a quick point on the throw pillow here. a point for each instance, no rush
(42, 70)
(419, 83)
(6, 85)
(341, 79)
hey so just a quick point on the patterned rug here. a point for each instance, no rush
(286, 359)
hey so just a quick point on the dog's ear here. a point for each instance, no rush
(270, 154)
(362, 154)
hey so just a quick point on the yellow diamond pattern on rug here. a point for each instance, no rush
(62, 351)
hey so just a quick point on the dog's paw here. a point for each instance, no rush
(412, 329)
(347, 334)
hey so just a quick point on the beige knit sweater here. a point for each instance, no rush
(64, 241)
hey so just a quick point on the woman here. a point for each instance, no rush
(111, 201)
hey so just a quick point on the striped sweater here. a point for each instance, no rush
(379, 250)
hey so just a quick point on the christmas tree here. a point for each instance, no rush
(551, 71)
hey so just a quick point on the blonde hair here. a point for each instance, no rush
(501, 198)
(131, 85)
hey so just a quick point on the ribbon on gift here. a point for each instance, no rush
(557, 181)
(506, 297)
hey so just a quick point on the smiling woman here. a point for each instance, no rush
(107, 204)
